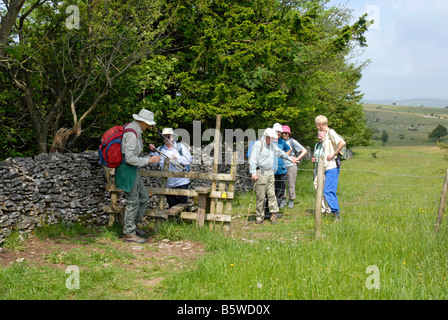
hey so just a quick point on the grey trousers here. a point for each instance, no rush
(136, 204)
(292, 177)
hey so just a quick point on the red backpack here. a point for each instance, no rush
(109, 151)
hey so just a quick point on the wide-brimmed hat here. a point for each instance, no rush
(270, 132)
(146, 116)
(167, 131)
(286, 129)
(278, 127)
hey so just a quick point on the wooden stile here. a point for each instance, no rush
(214, 202)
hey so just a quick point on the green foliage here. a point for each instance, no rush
(254, 62)
(256, 68)
(16, 135)
(444, 147)
(439, 132)
(384, 137)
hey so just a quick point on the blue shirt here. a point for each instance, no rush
(281, 168)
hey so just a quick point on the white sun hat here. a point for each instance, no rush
(278, 127)
(146, 116)
(270, 132)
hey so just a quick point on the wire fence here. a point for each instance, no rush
(364, 195)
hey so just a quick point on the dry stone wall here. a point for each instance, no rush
(51, 188)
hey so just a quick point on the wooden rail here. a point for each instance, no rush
(214, 203)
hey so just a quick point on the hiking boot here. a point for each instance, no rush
(259, 222)
(140, 233)
(274, 218)
(282, 204)
(291, 204)
(337, 216)
(133, 238)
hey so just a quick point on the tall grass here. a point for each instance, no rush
(389, 208)
(388, 201)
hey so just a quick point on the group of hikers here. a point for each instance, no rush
(272, 166)
(273, 163)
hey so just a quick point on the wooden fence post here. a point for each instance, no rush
(161, 207)
(442, 203)
(216, 144)
(318, 207)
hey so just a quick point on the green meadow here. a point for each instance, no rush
(385, 246)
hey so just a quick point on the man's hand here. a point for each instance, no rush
(152, 147)
(255, 177)
(154, 159)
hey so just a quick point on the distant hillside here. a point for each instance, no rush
(406, 125)
(432, 103)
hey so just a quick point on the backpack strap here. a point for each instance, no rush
(296, 153)
(129, 130)
(335, 146)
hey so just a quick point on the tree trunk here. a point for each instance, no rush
(62, 138)
(7, 22)
(64, 135)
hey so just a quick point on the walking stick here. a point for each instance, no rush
(250, 204)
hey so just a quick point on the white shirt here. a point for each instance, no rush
(184, 160)
(330, 144)
(295, 146)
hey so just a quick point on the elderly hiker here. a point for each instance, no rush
(280, 174)
(298, 151)
(180, 159)
(261, 164)
(128, 178)
(332, 144)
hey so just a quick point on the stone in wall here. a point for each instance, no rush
(50, 188)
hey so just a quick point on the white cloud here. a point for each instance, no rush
(407, 48)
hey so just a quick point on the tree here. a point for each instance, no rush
(254, 62)
(384, 137)
(438, 133)
(69, 72)
(7, 21)
(265, 61)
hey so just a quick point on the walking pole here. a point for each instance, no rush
(174, 163)
(165, 138)
(250, 204)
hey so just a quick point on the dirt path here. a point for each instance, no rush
(37, 251)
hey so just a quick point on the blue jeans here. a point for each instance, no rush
(330, 188)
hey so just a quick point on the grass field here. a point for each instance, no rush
(389, 198)
(406, 126)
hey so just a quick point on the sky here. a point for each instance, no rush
(407, 47)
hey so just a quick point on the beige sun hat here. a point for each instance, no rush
(146, 116)
(167, 131)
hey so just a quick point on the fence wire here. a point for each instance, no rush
(363, 195)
